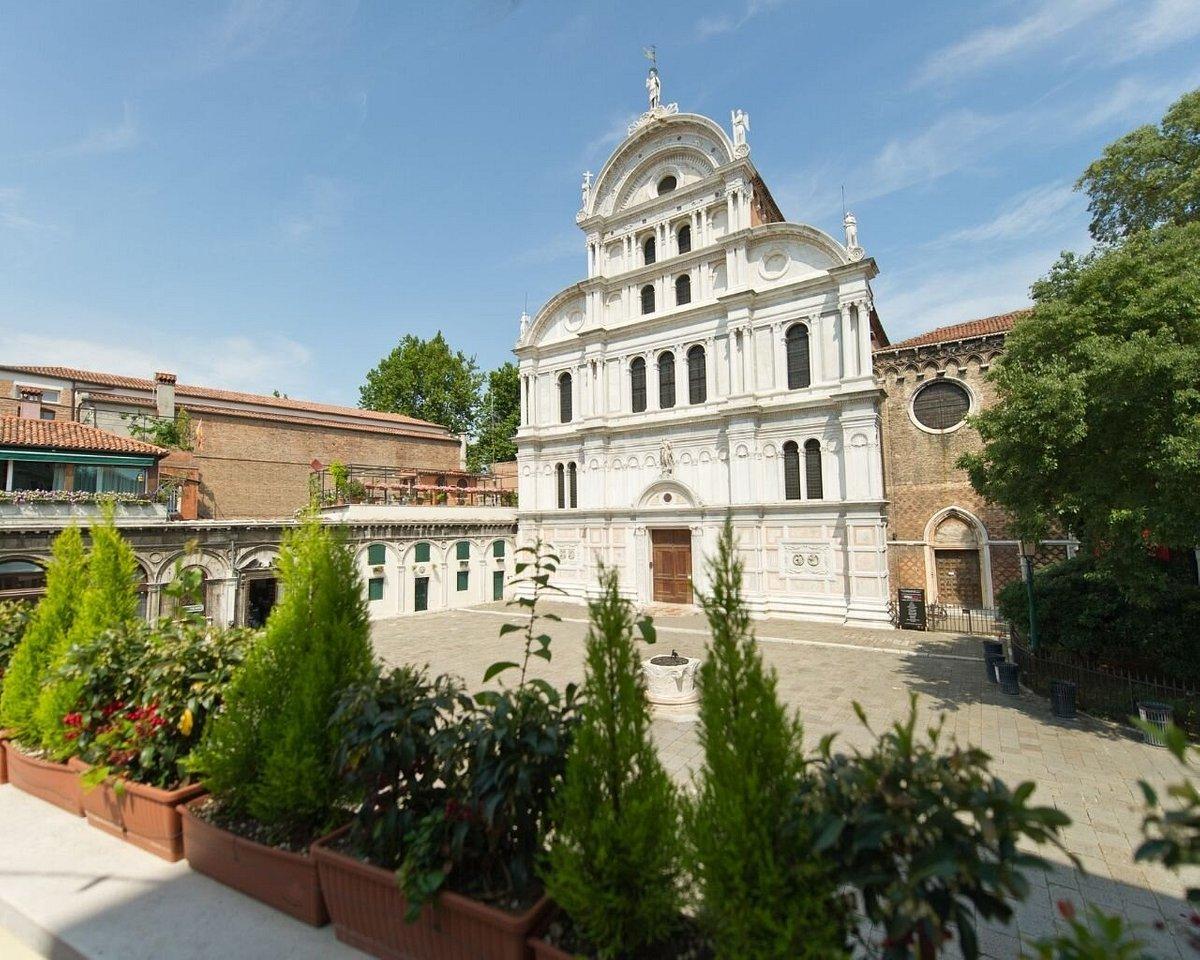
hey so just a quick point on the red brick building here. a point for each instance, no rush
(251, 455)
(942, 536)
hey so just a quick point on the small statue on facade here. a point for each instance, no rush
(654, 88)
(666, 459)
(850, 222)
(524, 324)
(741, 125)
(586, 188)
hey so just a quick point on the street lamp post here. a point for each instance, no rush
(1028, 549)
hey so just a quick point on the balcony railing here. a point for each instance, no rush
(403, 486)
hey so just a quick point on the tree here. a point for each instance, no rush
(759, 900)
(52, 619)
(1150, 176)
(499, 418)
(614, 863)
(427, 380)
(1097, 425)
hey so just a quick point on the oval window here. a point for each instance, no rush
(941, 405)
(667, 184)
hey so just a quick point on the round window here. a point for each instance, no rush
(941, 405)
(667, 184)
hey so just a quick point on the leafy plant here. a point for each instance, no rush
(397, 732)
(174, 433)
(271, 754)
(14, 619)
(614, 863)
(924, 836)
(1173, 834)
(109, 603)
(1104, 937)
(149, 691)
(761, 896)
(32, 661)
(508, 757)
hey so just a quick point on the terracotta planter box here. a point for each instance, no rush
(283, 880)
(145, 816)
(547, 951)
(55, 783)
(367, 907)
(3, 756)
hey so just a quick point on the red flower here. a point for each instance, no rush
(73, 720)
(1067, 909)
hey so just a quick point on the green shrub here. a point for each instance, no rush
(14, 618)
(1173, 833)
(271, 753)
(1082, 610)
(109, 603)
(30, 666)
(759, 899)
(1104, 937)
(925, 837)
(614, 860)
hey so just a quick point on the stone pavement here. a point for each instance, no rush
(1087, 768)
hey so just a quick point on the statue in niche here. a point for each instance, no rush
(741, 125)
(666, 459)
(654, 88)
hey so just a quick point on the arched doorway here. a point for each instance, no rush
(22, 580)
(958, 574)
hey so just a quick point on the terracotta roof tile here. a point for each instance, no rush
(69, 435)
(1001, 323)
(183, 391)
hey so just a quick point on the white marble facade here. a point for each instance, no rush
(729, 283)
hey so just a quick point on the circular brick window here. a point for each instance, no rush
(941, 405)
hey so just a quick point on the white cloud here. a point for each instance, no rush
(113, 138)
(14, 217)
(985, 48)
(250, 28)
(715, 26)
(1042, 211)
(238, 363)
(1137, 99)
(321, 208)
(1160, 24)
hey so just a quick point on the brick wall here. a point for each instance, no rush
(260, 468)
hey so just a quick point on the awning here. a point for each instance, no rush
(75, 456)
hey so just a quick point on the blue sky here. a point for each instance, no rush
(268, 194)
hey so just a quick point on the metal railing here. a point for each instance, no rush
(415, 486)
(1106, 691)
(977, 621)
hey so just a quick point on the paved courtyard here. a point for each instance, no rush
(1087, 768)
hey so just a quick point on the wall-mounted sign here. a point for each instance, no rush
(912, 608)
(193, 608)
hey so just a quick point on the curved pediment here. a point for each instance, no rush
(560, 318)
(785, 252)
(670, 493)
(700, 143)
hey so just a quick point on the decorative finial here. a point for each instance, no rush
(741, 124)
(524, 325)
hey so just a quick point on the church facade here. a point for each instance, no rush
(715, 361)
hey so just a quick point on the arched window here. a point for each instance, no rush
(648, 298)
(799, 370)
(560, 476)
(573, 483)
(812, 470)
(649, 250)
(684, 236)
(791, 470)
(666, 380)
(637, 384)
(667, 184)
(683, 289)
(564, 398)
(697, 375)
(21, 580)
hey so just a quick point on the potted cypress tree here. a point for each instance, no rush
(757, 899)
(615, 861)
(270, 757)
(30, 669)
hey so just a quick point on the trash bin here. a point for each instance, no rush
(1157, 714)
(1062, 698)
(990, 664)
(1008, 674)
(992, 648)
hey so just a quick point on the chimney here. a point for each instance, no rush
(30, 407)
(462, 451)
(164, 394)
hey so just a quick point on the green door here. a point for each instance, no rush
(497, 584)
(421, 594)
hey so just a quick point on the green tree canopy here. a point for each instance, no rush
(1150, 176)
(427, 380)
(1097, 424)
(499, 417)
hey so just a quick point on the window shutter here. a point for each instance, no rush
(798, 367)
(697, 376)
(791, 471)
(666, 380)
(812, 470)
